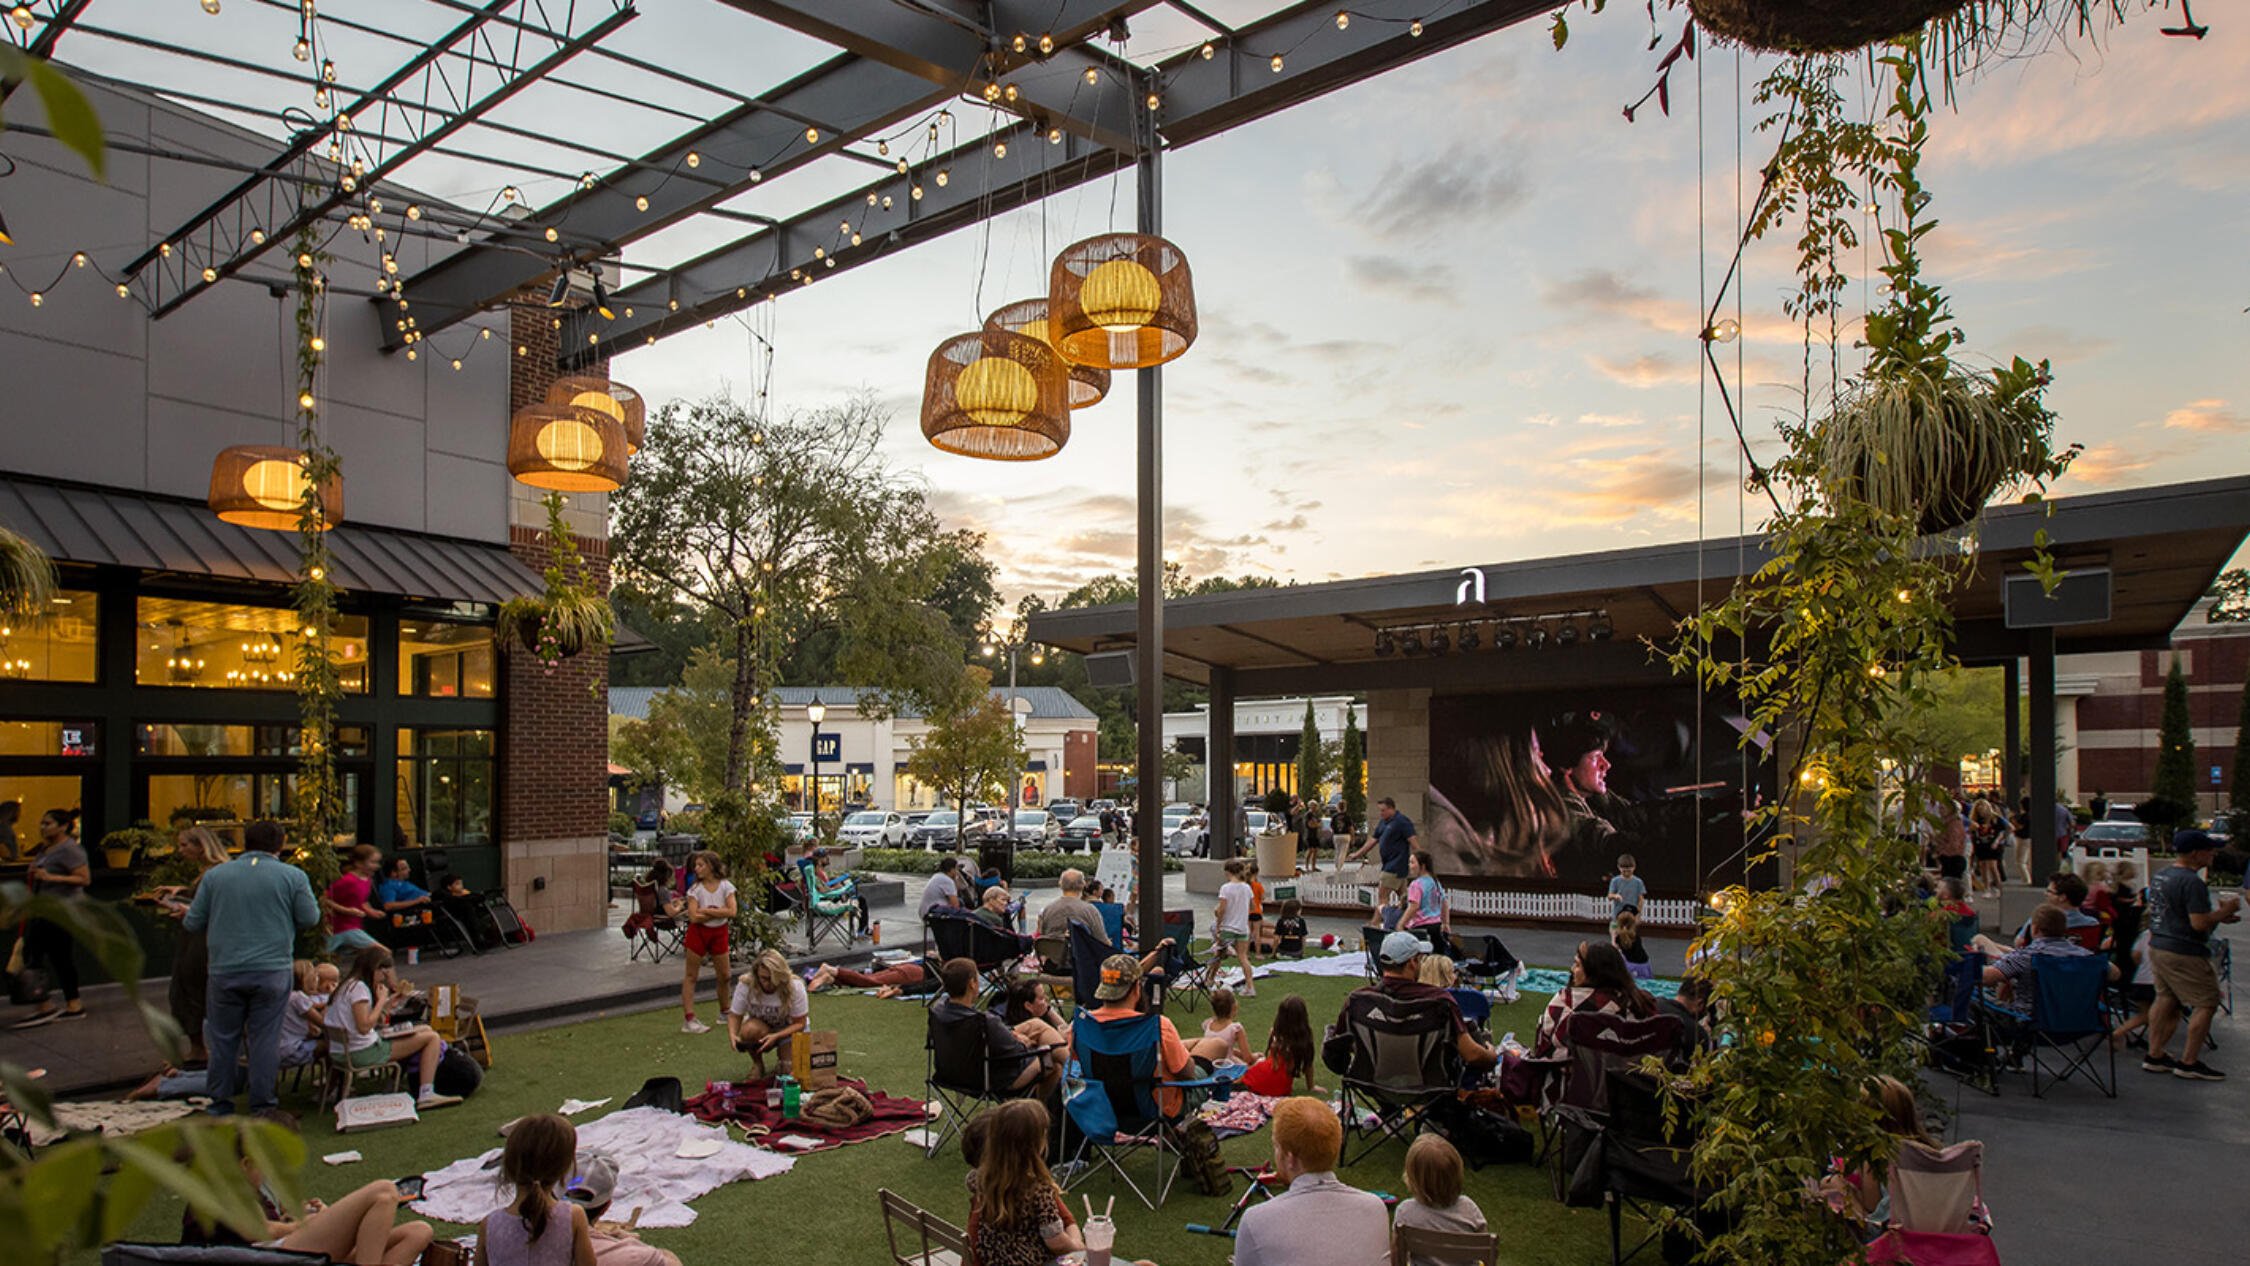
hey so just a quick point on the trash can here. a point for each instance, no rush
(996, 854)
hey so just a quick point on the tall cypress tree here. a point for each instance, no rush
(2174, 791)
(1308, 758)
(1354, 773)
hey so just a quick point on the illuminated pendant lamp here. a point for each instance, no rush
(1029, 316)
(591, 391)
(263, 486)
(997, 395)
(567, 448)
(1122, 301)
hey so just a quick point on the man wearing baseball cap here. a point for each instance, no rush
(1120, 995)
(614, 1245)
(2181, 917)
(1401, 958)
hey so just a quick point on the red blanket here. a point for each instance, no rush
(744, 1104)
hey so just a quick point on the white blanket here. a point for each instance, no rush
(1351, 964)
(650, 1177)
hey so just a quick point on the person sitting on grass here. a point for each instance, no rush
(535, 1229)
(361, 1229)
(1433, 1174)
(1289, 1054)
(1015, 1064)
(1289, 930)
(1317, 1220)
(592, 1190)
(770, 1007)
(1224, 1040)
(361, 1006)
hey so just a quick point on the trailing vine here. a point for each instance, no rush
(319, 797)
(569, 616)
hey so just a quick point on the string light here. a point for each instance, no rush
(756, 175)
(1093, 76)
(915, 193)
(1343, 20)
(1414, 28)
(305, 400)
(210, 275)
(210, 6)
(640, 203)
(999, 149)
(327, 71)
(812, 136)
(303, 51)
(21, 16)
(413, 210)
(552, 235)
(258, 237)
(1277, 63)
(1210, 50)
(1153, 101)
(318, 343)
(883, 149)
(694, 159)
(1054, 136)
(37, 298)
(1020, 42)
(124, 291)
(1046, 44)
(78, 259)
(1010, 92)
(992, 91)
(944, 174)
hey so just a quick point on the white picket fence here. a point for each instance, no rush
(1658, 911)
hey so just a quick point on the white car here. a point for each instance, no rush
(1185, 834)
(874, 828)
(1036, 828)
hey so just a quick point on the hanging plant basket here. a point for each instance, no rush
(557, 626)
(1936, 449)
(27, 578)
(1816, 26)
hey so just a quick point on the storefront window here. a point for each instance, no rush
(58, 647)
(48, 738)
(239, 740)
(445, 780)
(227, 647)
(225, 802)
(440, 659)
(24, 800)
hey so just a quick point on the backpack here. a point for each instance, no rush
(659, 1092)
(458, 1073)
(1482, 1135)
(505, 921)
(1199, 1154)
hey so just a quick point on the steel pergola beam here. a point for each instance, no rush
(814, 245)
(848, 94)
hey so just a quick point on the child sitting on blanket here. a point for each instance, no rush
(1223, 1040)
(535, 1229)
(1289, 1053)
(1289, 930)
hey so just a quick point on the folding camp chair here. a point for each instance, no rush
(648, 929)
(1641, 1162)
(1491, 962)
(1085, 962)
(996, 953)
(452, 930)
(935, 1241)
(341, 1076)
(1937, 1212)
(1958, 1038)
(823, 918)
(1399, 1059)
(1574, 1100)
(1184, 974)
(1113, 921)
(1112, 1099)
(964, 1074)
(1371, 942)
(2067, 1019)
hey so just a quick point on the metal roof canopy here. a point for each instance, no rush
(2164, 546)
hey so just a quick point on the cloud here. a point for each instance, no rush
(1430, 283)
(2109, 465)
(1649, 369)
(1611, 420)
(2210, 417)
(2139, 88)
(2054, 342)
(1443, 191)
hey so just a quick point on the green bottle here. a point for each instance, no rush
(789, 1098)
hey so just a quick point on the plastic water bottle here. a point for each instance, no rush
(791, 1096)
(773, 1095)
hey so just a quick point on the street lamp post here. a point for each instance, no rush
(815, 712)
(1014, 646)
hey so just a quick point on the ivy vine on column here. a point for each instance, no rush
(318, 800)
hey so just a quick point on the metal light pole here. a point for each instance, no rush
(815, 712)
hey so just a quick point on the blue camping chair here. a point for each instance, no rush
(1476, 1008)
(824, 915)
(1113, 921)
(1110, 1096)
(2068, 1020)
(1958, 1034)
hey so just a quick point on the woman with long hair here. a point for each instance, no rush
(358, 1010)
(1529, 821)
(59, 870)
(1017, 1216)
(537, 1228)
(770, 1007)
(1290, 1054)
(1599, 981)
(1988, 827)
(709, 908)
(199, 851)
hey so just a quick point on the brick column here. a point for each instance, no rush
(554, 742)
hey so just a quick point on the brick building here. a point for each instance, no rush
(158, 688)
(2110, 707)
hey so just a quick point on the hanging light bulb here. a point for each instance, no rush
(303, 49)
(1276, 63)
(1414, 28)
(327, 70)
(1046, 44)
(1122, 301)
(996, 395)
(1343, 20)
(1209, 50)
(1726, 331)
(264, 486)
(210, 6)
(944, 174)
(812, 136)
(1093, 76)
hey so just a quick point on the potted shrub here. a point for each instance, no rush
(121, 849)
(27, 577)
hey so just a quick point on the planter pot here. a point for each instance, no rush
(1816, 26)
(118, 858)
(1277, 856)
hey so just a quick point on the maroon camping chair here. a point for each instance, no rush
(648, 929)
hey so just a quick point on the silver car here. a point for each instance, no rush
(1036, 828)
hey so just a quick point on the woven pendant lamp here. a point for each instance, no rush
(1029, 316)
(263, 486)
(997, 395)
(591, 391)
(1121, 301)
(567, 448)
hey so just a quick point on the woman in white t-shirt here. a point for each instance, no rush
(1231, 926)
(709, 909)
(770, 1007)
(356, 1012)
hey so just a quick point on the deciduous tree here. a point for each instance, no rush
(971, 747)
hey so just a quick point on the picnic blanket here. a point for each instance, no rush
(1239, 1113)
(1548, 980)
(1353, 963)
(112, 1118)
(651, 1175)
(744, 1104)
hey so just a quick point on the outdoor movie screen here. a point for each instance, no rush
(1545, 790)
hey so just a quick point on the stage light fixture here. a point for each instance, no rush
(1567, 635)
(559, 293)
(1468, 638)
(1537, 638)
(1440, 642)
(1504, 638)
(1599, 630)
(1410, 642)
(1383, 644)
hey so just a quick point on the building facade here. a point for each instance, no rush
(159, 689)
(1267, 736)
(862, 755)
(2110, 708)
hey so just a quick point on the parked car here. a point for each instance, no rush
(915, 818)
(938, 830)
(801, 828)
(2111, 833)
(1036, 828)
(874, 828)
(2120, 813)
(1064, 810)
(1098, 805)
(1262, 821)
(1081, 832)
(1187, 834)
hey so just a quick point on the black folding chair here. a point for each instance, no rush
(964, 1074)
(1184, 974)
(1641, 1163)
(1574, 1102)
(1958, 1037)
(1371, 941)
(995, 952)
(1398, 1059)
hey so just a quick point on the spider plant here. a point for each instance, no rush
(27, 578)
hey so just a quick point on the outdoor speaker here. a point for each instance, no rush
(2081, 598)
(1110, 668)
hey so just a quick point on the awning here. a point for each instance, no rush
(102, 526)
(860, 767)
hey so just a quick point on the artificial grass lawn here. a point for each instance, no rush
(825, 1207)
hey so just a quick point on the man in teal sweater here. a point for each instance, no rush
(252, 908)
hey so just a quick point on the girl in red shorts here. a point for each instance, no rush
(709, 909)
